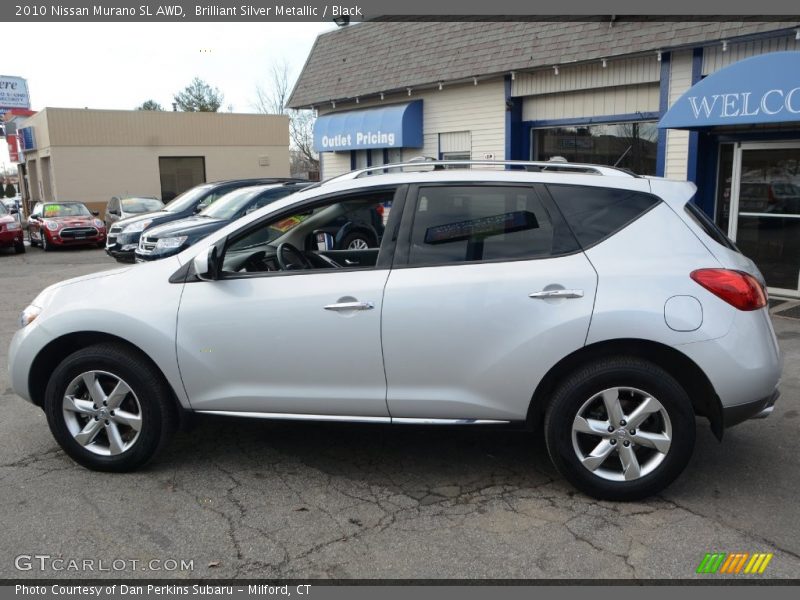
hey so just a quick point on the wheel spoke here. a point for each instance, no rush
(590, 426)
(76, 405)
(116, 397)
(133, 421)
(597, 456)
(93, 386)
(115, 443)
(613, 407)
(657, 441)
(630, 464)
(644, 410)
(89, 432)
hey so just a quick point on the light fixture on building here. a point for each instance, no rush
(441, 85)
(513, 75)
(797, 34)
(382, 96)
(333, 103)
(555, 69)
(357, 100)
(724, 45)
(475, 81)
(605, 63)
(658, 56)
(409, 91)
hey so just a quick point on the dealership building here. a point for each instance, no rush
(92, 155)
(717, 103)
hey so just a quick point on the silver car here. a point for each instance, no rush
(602, 310)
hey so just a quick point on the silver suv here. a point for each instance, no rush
(601, 308)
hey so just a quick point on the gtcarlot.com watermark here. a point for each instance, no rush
(58, 564)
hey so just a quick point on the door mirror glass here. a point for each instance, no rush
(324, 240)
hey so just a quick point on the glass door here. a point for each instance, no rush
(765, 197)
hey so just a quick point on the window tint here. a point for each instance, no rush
(710, 228)
(594, 213)
(474, 223)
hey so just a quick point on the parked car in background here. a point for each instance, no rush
(10, 231)
(122, 207)
(53, 224)
(14, 207)
(123, 237)
(173, 237)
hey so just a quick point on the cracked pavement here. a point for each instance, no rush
(303, 500)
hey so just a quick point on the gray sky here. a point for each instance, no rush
(120, 65)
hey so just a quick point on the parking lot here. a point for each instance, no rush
(259, 499)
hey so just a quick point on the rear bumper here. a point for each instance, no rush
(757, 409)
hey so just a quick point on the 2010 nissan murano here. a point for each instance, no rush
(600, 308)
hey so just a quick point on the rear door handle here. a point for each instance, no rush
(557, 294)
(339, 306)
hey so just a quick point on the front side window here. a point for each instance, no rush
(456, 224)
(345, 232)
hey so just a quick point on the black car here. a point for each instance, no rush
(123, 237)
(173, 237)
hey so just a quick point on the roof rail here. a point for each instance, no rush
(424, 163)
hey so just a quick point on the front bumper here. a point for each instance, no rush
(9, 238)
(121, 246)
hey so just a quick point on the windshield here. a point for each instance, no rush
(230, 204)
(187, 198)
(141, 205)
(67, 209)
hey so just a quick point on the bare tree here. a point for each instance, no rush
(271, 99)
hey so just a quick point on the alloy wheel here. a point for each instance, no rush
(358, 244)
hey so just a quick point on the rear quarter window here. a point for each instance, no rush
(708, 226)
(595, 213)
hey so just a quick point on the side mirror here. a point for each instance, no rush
(324, 240)
(206, 265)
(14, 210)
(96, 213)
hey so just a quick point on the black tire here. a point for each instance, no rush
(590, 380)
(43, 240)
(355, 236)
(34, 243)
(156, 406)
(19, 248)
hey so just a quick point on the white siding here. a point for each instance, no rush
(618, 72)
(479, 110)
(455, 141)
(714, 58)
(680, 80)
(591, 103)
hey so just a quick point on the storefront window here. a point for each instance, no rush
(626, 145)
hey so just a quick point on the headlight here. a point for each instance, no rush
(99, 224)
(12, 226)
(52, 225)
(170, 242)
(137, 227)
(29, 315)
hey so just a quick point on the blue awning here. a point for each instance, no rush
(757, 90)
(395, 126)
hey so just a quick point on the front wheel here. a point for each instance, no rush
(19, 248)
(46, 246)
(620, 429)
(109, 408)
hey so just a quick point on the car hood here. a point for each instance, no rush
(191, 226)
(44, 297)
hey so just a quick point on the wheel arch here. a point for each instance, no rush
(55, 351)
(691, 377)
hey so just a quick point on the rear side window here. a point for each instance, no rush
(456, 224)
(594, 213)
(709, 227)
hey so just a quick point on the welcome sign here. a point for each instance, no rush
(761, 89)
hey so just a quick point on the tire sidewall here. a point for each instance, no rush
(150, 402)
(629, 373)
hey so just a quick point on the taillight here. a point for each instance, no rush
(740, 290)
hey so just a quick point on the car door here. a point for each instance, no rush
(35, 222)
(301, 342)
(488, 291)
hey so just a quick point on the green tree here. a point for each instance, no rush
(11, 191)
(150, 105)
(198, 96)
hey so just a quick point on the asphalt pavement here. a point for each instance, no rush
(235, 498)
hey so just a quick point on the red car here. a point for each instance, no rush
(54, 224)
(10, 231)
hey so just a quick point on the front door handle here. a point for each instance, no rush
(350, 306)
(557, 294)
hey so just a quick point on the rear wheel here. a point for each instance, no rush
(620, 429)
(108, 408)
